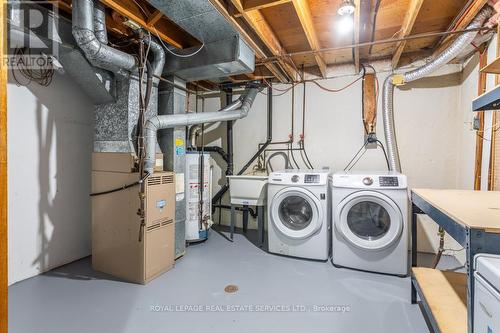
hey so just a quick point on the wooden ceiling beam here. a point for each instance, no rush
(259, 24)
(304, 14)
(462, 23)
(406, 28)
(259, 53)
(155, 17)
(162, 27)
(357, 29)
(260, 4)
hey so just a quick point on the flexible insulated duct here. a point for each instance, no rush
(389, 84)
(236, 110)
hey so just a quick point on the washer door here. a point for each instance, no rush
(369, 220)
(296, 213)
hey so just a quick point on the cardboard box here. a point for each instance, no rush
(120, 162)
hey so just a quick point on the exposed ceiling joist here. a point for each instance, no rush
(220, 6)
(406, 28)
(473, 9)
(162, 27)
(357, 29)
(260, 4)
(155, 17)
(304, 13)
(259, 24)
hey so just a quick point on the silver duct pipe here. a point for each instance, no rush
(195, 130)
(158, 56)
(399, 79)
(100, 23)
(99, 54)
(231, 112)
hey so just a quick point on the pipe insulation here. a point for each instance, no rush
(98, 53)
(398, 79)
(230, 112)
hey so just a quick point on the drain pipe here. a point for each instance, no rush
(229, 136)
(170, 121)
(98, 53)
(269, 139)
(401, 79)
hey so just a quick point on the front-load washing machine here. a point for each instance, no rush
(299, 213)
(370, 222)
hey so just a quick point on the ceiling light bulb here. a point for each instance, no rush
(345, 24)
(346, 8)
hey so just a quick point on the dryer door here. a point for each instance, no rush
(369, 220)
(296, 213)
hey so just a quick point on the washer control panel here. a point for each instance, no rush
(389, 181)
(311, 179)
(296, 177)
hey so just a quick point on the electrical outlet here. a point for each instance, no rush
(476, 124)
(371, 140)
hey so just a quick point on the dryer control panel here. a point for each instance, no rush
(386, 180)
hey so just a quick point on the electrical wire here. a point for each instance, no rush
(336, 90)
(124, 187)
(356, 155)
(385, 154)
(357, 160)
(176, 54)
(23, 63)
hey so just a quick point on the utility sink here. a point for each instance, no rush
(248, 190)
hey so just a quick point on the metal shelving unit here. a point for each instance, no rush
(472, 218)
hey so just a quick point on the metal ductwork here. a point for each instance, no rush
(398, 79)
(96, 83)
(115, 123)
(223, 53)
(158, 57)
(215, 60)
(195, 130)
(98, 53)
(100, 23)
(237, 110)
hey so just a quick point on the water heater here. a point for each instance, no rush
(198, 185)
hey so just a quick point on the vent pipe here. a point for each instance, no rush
(230, 112)
(400, 79)
(100, 23)
(99, 54)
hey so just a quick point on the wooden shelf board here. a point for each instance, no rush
(493, 67)
(446, 295)
(472, 209)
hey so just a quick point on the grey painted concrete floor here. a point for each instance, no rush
(74, 298)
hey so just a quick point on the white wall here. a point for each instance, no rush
(50, 141)
(427, 129)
